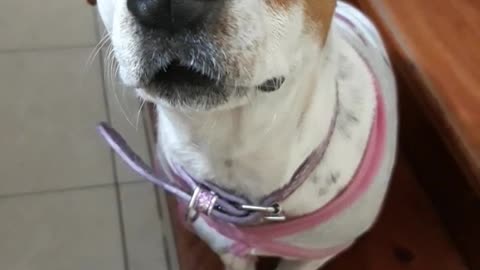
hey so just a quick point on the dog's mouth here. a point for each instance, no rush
(181, 84)
(176, 74)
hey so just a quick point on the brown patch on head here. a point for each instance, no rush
(320, 13)
(280, 3)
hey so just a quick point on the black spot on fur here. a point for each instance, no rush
(344, 130)
(342, 123)
(350, 117)
(345, 69)
(346, 121)
(333, 177)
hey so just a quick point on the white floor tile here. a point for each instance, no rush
(143, 227)
(26, 24)
(75, 230)
(48, 111)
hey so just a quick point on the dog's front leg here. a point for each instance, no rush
(302, 265)
(233, 262)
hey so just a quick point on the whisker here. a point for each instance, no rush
(249, 99)
(139, 113)
(112, 68)
(96, 50)
(121, 105)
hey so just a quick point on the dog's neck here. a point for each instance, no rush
(254, 149)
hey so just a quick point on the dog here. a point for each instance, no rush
(245, 92)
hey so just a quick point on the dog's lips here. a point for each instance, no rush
(272, 84)
(177, 74)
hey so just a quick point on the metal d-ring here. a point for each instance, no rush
(274, 212)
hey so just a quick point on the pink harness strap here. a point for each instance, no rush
(262, 237)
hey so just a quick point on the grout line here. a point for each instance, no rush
(166, 253)
(67, 189)
(118, 194)
(46, 49)
(121, 220)
(53, 191)
(170, 249)
(171, 258)
(168, 239)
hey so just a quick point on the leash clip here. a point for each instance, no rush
(202, 202)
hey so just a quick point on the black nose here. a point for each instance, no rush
(175, 15)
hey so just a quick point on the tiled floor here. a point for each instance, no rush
(65, 201)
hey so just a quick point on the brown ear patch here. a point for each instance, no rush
(280, 3)
(320, 13)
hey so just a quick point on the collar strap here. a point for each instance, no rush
(208, 199)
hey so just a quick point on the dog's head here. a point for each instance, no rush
(206, 53)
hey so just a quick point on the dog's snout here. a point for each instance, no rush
(174, 15)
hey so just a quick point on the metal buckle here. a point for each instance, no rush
(202, 201)
(274, 212)
(192, 214)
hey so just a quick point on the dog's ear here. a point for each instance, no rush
(321, 13)
(92, 2)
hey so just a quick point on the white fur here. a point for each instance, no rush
(253, 145)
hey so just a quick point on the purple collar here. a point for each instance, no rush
(208, 199)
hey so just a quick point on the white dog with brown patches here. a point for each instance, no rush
(247, 89)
